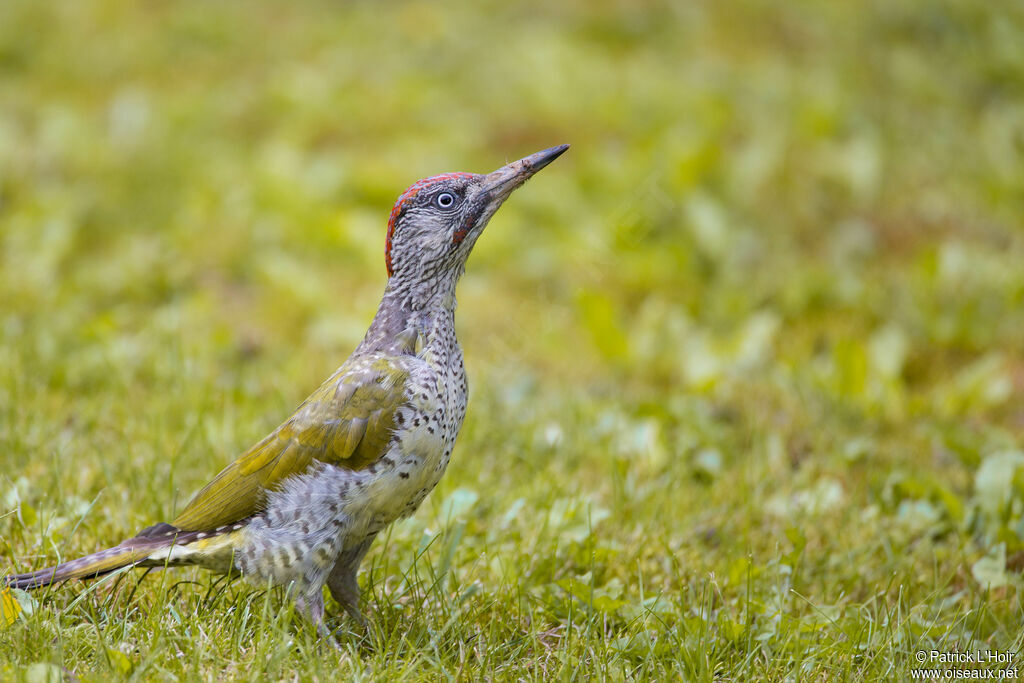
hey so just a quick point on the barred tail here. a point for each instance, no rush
(144, 549)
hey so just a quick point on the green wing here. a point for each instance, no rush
(347, 422)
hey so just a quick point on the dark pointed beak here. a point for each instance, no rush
(500, 184)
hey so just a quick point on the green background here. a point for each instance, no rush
(746, 373)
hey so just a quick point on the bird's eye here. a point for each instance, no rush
(445, 200)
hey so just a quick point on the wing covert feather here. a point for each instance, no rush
(348, 421)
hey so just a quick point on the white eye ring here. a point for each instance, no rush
(445, 200)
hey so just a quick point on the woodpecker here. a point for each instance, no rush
(301, 507)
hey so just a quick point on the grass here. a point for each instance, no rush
(745, 364)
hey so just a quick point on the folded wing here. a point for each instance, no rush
(347, 422)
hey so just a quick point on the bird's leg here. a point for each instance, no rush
(342, 581)
(311, 605)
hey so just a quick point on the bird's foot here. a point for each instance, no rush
(312, 607)
(345, 590)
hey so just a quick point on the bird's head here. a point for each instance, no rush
(436, 221)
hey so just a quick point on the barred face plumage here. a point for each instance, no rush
(423, 196)
(435, 222)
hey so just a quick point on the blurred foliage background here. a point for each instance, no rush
(757, 335)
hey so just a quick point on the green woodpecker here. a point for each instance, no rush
(301, 507)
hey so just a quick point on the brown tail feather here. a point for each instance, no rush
(128, 553)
